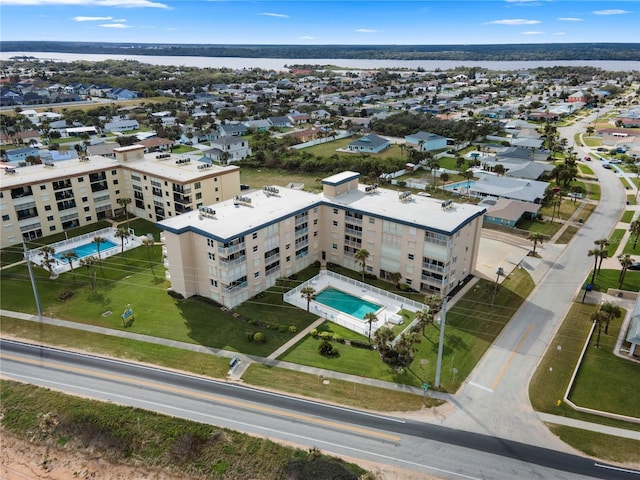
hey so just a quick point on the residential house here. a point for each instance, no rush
(508, 213)
(226, 150)
(232, 129)
(121, 94)
(281, 122)
(490, 185)
(156, 144)
(371, 143)
(426, 142)
(121, 126)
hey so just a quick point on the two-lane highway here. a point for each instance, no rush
(428, 448)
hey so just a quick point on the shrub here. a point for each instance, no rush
(327, 349)
(313, 332)
(259, 337)
(174, 294)
(63, 295)
(283, 329)
(325, 335)
(293, 329)
(249, 336)
(359, 344)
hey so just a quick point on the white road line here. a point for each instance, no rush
(617, 469)
(481, 387)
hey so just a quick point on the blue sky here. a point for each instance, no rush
(322, 22)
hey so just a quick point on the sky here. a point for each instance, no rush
(311, 22)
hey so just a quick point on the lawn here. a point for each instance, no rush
(608, 278)
(586, 170)
(632, 247)
(567, 208)
(567, 235)
(544, 227)
(183, 149)
(614, 241)
(467, 337)
(627, 216)
(260, 177)
(130, 279)
(593, 191)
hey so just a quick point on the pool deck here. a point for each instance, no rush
(390, 303)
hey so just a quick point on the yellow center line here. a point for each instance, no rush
(504, 368)
(208, 396)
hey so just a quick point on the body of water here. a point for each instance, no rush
(279, 63)
(346, 303)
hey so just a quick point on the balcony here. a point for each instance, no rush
(301, 231)
(353, 220)
(181, 189)
(226, 251)
(352, 231)
(272, 271)
(272, 258)
(234, 261)
(234, 289)
(21, 192)
(300, 219)
(27, 213)
(183, 199)
(432, 268)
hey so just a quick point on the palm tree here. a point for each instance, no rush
(122, 233)
(98, 240)
(613, 311)
(625, 260)
(555, 204)
(634, 229)
(361, 257)
(444, 177)
(603, 243)
(370, 317)
(536, 237)
(599, 318)
(148, 242)
(124, 202)
(468, 175)
(91, 264)
(434, 165)
(423, 317)
(70, 256)
(308, 293)
(594, 252)
(48, 259)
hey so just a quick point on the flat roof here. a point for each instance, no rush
(35, 174)
(340, 178)
(168, 168)
(231, 221)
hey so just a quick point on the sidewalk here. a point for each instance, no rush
(321, 373)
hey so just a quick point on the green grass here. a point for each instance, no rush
(467, 338)
(586, 170)
(614, 241)
(631, 199)
(629, 246)
(610, 279)
(260, 177)
(545, 227)
(567, 208)
(183, 149)
(627, 216)
(142, 439)
(599, 445)
(567, 235)
(593, 191)
(591, 141)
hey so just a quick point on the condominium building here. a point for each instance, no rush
(231, 251)
(39, 200)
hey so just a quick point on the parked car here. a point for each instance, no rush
(634, 266)
(574, 195)
(587, 159)
(607, 166)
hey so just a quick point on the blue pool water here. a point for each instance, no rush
(452, 187)
(87, 249)
(339, 300)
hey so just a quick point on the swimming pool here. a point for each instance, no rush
(87, 249)
(452, 187)
(346, 303)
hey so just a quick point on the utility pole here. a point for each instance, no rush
(443, 314)
(33, 279)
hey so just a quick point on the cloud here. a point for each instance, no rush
(100, 3)
(513, 21)
(570, 19)
(524, 3)
(91, 19)
(558, 34)
(366, 30)
(307, 37)
(115, 25)
(610, 12)
(277, 15)
(532, 33)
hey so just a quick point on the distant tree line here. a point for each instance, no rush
(513, 52)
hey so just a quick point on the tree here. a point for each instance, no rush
(70, 256)
(555, 204)
(370, 318)
(434, 165)
(98, 240)
(603, 243)
(599, 318)
(594, 252)
(361, 257)
(122, 233)
(612, 311)
(634, 229)
(91, 263)
(148, 242)
(536, 237)
(48, 260)
(395, 277)
(468, 175)
(308, 293)
(124, 203)
(625, 261)
(499, 169)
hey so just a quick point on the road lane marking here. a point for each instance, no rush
(210, 397)
(504, 368)
(481, 387)
(618, 469)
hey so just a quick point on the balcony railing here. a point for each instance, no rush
(235, 261)
(226, 251)
(432, 268)
(352, 231)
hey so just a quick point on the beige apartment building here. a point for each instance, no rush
(231, 251)
(40, 200)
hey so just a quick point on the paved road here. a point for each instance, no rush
(432, 449)
(494, 400)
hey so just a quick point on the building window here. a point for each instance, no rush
(86, 209)
(215, 179)
(80, 179)
(115, 182)
(315, 209)
(288, 246)
(255, 248)
(288, 258)
(410, 256)
(43, 187)
(52, 228)
(88, 219)
(198, 196)
(85, 199)
(335, 211)
(212, 256)
(49, 218)
(196, 185)
(315, 234)
(217, 199)
(5, 218)
(334, 246)
(315, 221)
(211, 243)
(47, 207)
(256, 275)
(214, 283)
(335, 224)
(216, 189)
(407, 281)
